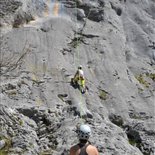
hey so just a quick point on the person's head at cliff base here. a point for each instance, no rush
(84, 147)
(84, 132)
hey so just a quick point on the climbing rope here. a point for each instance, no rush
(78, 55)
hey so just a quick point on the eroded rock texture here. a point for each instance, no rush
(43, 42)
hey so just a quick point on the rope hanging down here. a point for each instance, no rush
(78, 57)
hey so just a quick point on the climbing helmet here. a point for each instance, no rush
(84, 132)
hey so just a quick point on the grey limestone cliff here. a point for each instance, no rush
(42, 43)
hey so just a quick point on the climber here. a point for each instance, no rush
(79, 77)
(84, 147)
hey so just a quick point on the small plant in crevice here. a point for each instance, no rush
(103, 95)
(76, 41)
(116, 119)
(151, 76)
(141, 80)
(134, 141)
(5, 149)
(21, 122)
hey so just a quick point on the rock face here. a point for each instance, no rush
(43, 42)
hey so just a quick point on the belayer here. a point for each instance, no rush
(84, 147)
